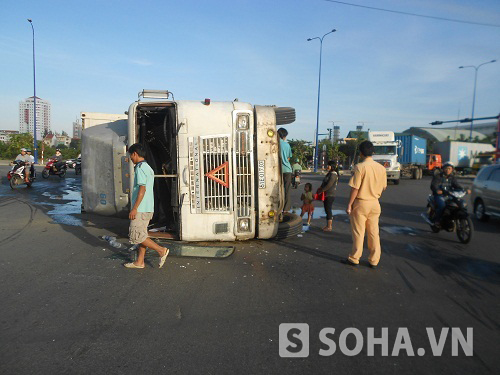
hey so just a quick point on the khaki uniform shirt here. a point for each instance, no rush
(370, 178)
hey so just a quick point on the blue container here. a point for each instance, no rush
(413, 149)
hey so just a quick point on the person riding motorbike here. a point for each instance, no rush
(441, 182)
(58, 161)
(32, 168)
(24, 157)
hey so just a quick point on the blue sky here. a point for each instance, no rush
(389, 71)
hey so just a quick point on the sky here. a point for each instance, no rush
(388, 71)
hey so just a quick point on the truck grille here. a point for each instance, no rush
(243, 171)
(216, 168)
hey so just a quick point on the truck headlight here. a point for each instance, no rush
(244, 225)
(242, 122)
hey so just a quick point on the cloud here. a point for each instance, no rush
(141, 62)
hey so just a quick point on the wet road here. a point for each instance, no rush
(68, 305)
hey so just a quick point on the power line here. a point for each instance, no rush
(414, 14)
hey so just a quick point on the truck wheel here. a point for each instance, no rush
(420, 173)
(396, 182)
(289, 227)
(414, 174)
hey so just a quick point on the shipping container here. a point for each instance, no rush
(412, 150)
(461, 153)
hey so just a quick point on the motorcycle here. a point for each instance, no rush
(455, 217)
(49, 169)
(296, 179)
(16, 175)
(71, 163)
(78, 166)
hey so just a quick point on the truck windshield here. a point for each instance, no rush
(384, 150)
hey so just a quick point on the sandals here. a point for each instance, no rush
(327, 229)
(131, 265)
(163, 259)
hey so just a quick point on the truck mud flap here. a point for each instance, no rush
(289, 227)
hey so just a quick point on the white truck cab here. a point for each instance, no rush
(217, 166)
(386, 153)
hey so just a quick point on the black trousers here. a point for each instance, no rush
(328, 204)
(287, 182)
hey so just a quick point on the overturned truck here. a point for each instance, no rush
(217, 166)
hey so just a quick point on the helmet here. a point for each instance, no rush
(448, 164)
(23, 149)
(28, 150)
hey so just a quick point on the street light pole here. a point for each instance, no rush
(319, 91)
(35, 146)
(476, 68)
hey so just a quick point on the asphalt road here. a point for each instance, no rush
(69, 306)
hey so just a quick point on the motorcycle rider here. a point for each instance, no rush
(23, 156)
(32, 169)
(58, 161)
(296, 170)
(441, 182)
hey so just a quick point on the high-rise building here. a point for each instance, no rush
(27, 118)
(77, 129)
(336, 133)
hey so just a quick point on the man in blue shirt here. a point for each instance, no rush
(143, 206)
(286, 168)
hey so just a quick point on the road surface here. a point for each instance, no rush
(69, 306)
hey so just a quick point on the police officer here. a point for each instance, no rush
(367, 183)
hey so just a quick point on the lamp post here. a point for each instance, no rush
(316, 156)
(35, 146)
(476, 68)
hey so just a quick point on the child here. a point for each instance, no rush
(307, 198)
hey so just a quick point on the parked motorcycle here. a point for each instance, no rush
(16, 175)
(49, 169)
(455, 216)
(78, 166)
(296, 179)
(71, 163)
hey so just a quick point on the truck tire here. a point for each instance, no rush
(289, 227)
(396, 182)
(414, 174)
(420, 173)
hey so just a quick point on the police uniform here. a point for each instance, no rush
(370, 178)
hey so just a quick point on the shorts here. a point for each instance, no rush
(138, 231)
(307, 207)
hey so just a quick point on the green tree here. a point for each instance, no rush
(76, 144)
(16, 142)
(301, 150)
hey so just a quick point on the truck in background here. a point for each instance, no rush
(386, 153)
(217, 167)
(462, 154)
(403, 155)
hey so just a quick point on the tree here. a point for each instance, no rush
(301, 150)
(16, 142)
(76, 143)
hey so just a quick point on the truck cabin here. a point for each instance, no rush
(434, 162)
